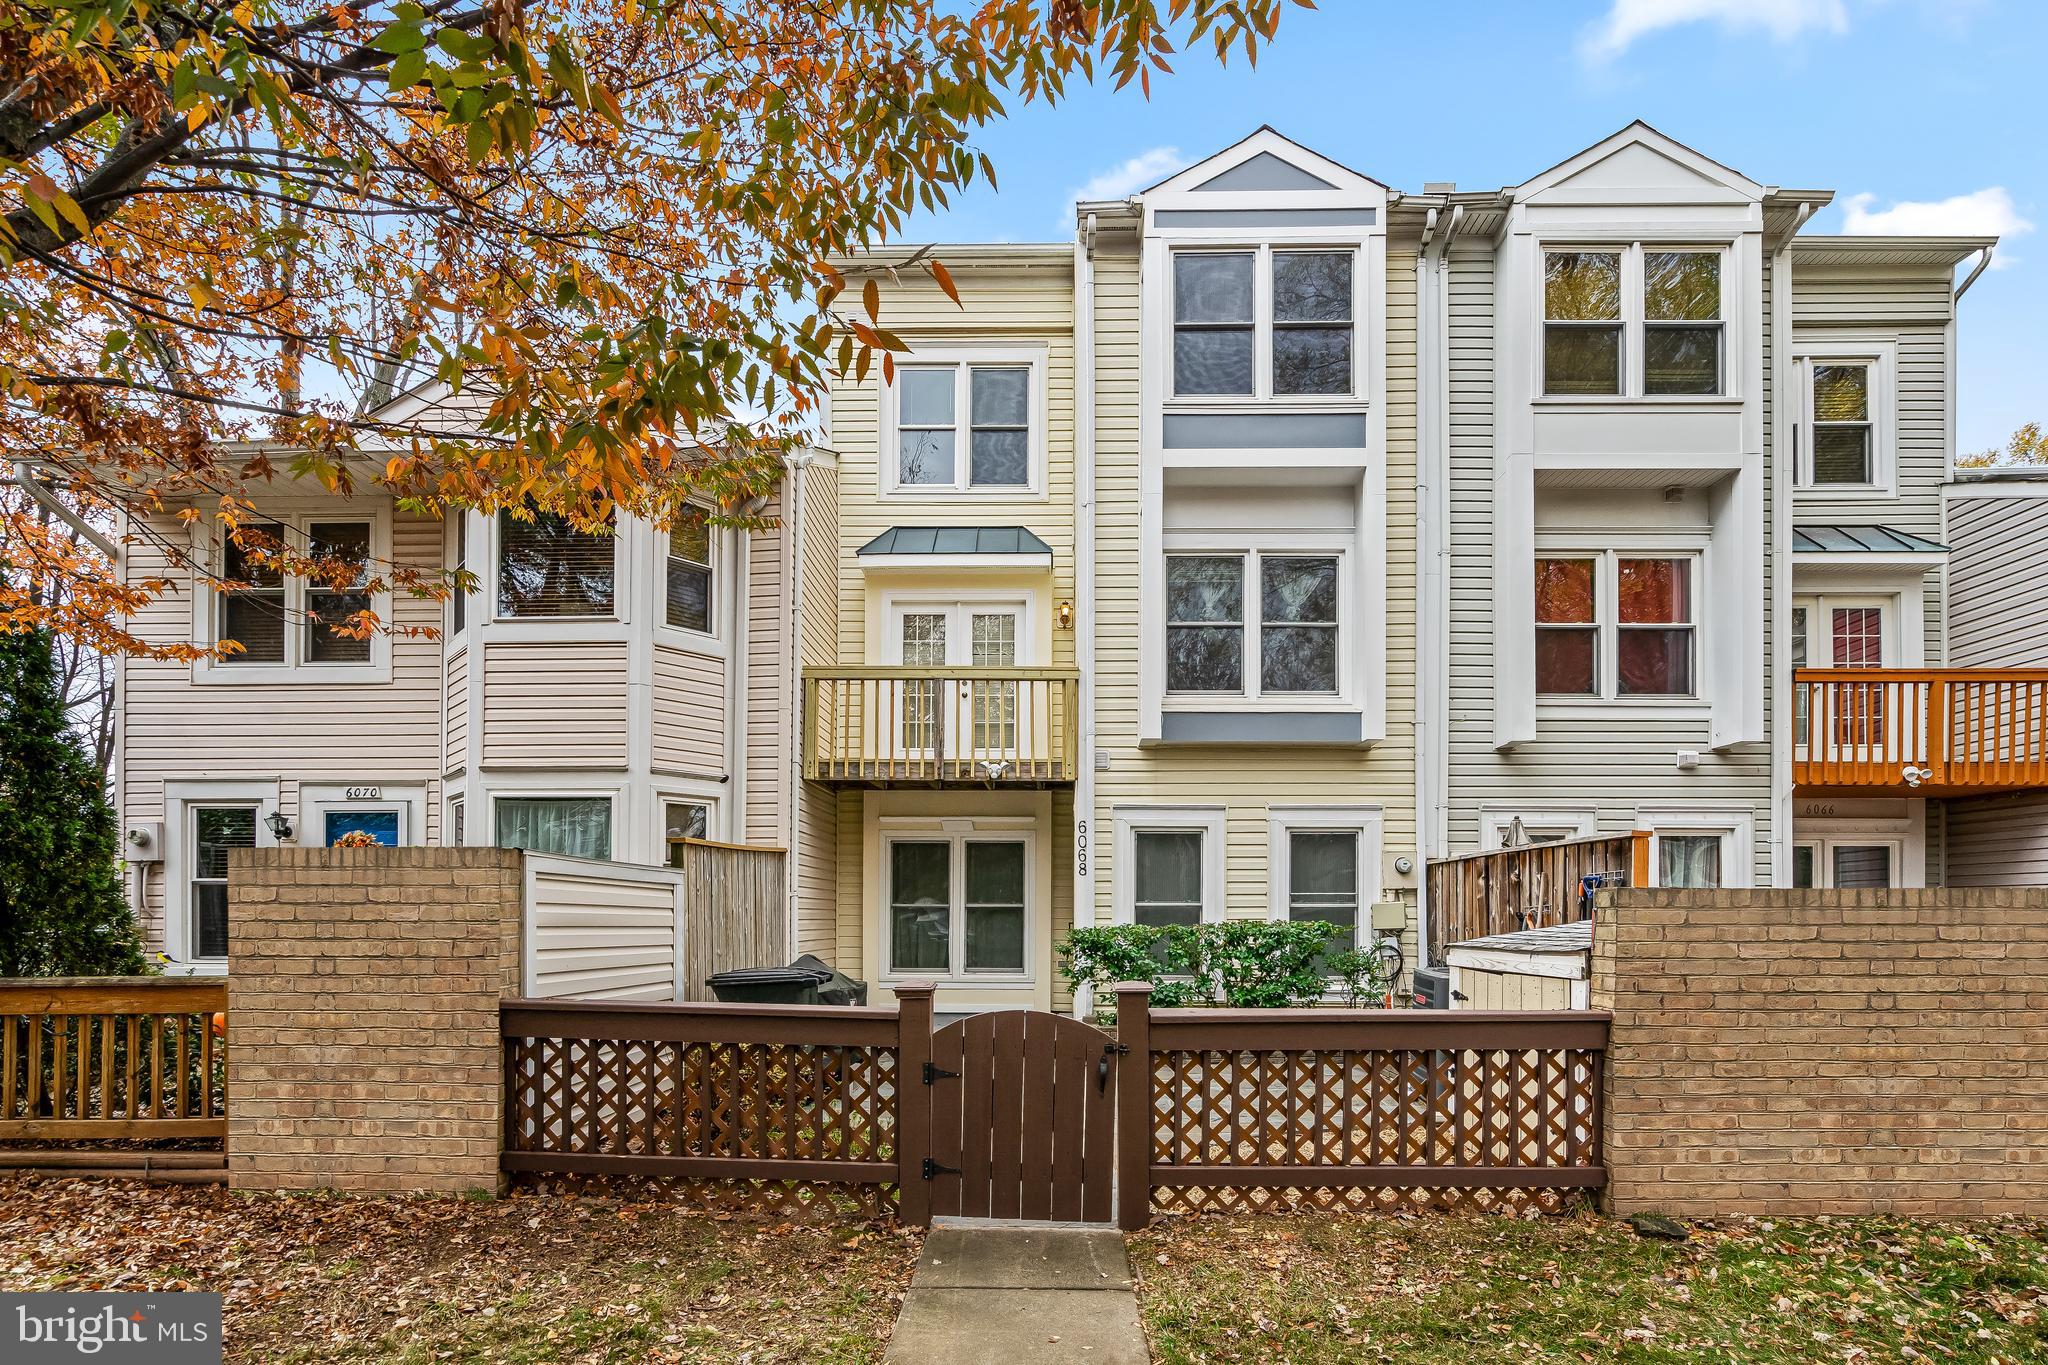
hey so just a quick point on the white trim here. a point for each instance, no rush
(1250, 548)
(957, 834)
(1261, 248)
(1130, 819)
(1881, 355)
(727, 590)
(962, 359)
(318, 799)
(611, 626)
(180, 798)
(208, 601)
(1608, 697)
(1367, 822)
(1736, 826)
(1569, 819)
(1631, 393)
(539, 787)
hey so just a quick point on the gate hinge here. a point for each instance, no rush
(932, 1169)
(933, 1073)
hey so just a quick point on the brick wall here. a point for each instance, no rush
(1805, 1052)
(363, 990)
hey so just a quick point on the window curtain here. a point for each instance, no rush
(574, 827)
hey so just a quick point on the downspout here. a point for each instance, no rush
(1781, 556)
(1435, 460)
(1426, 491)
(1983, 264)
(793, 583)
(736, 679)
(1084, 833)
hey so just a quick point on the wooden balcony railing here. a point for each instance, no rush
(1919, 731)
(1531, 887)
(969, 726)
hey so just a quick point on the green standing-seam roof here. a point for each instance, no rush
(1861, 540)
(955, 540)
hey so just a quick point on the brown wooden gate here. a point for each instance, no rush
(1023, 1118)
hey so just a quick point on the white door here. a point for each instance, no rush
(1843, 633)
(1848, 862)
(975, 721)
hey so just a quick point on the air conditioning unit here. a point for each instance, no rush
(1433, 988)
(143, 841)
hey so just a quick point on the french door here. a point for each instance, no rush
(972, 720)
(1843, 633)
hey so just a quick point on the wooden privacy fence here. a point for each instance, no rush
(777, 1108)
(1500, 891)
(112, 1057)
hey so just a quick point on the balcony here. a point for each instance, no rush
(1919, 731)
(971, 727)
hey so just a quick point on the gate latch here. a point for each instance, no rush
(932, 1169)
(933, 1073)
(1102, 1067)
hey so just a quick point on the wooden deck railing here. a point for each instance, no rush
(1925, 731)
(1502, 890)
(979, 726)
(113, 1057)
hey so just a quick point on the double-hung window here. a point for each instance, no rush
(295, 622)
(965, 427)
(1254, 624)
(1632, 321)
(1322, 878)
(958, 905)
(1846, 430)
(1167, 867)
(1265, 322)
(549, 568)
(215, 830)
(1615, 625)
(688, 570)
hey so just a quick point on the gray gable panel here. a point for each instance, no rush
(1279, 431)
(956, 540)
(1264, 172)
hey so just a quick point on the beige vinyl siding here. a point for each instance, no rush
(819, 639)
(600, 935)
(1245, 780)
(1488, 990)
(173, 728)
(816, 840)
(555, 705)
(689, 711)
(457, 748)
(771, 697)
(1997, 569)
(1606, 759)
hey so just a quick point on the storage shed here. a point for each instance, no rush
(1531, 969)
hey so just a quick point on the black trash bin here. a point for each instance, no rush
(806, 981)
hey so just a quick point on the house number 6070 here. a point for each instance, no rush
(365, 794)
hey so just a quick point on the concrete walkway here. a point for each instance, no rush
(1001, 1294)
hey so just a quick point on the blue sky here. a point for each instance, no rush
(1930, 108)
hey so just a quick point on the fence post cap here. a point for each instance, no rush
(1132, 988)
(915, 988)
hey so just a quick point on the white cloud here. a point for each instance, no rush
(1985, 213)
(1142, 171)
(1783, 20)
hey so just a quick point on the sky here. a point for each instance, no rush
(1921, 115)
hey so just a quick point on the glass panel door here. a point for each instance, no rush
(994, 645)
(922, 641)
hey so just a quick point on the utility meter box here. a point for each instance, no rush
(143, 841)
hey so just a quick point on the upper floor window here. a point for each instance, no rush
(1290, 634)
(548, 568)
(1846, 402)
(286, 622)
(1632, 321)
(1612, 625)
(458, 596)
(1263, 323)
(964, 427)
(689, 571)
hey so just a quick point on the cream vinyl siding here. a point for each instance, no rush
(689, 711)
(550, 705)
(1246, 780)
(816, 839)
(1605, 758)
(1008, 308)
(457, 749)
(598, 935)
(771, 692)
(1997, 571)
(173, 729)
(819, 637)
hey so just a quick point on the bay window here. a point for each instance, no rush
(958, 905)
(549, 568)
(965, 426)
(1290, 630)
(1615, 625)
(688, 571)
(1633, 321)
(574, 826)
(1264, 322)
(682, 820)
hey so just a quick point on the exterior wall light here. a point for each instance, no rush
(280, 828)
(1064, 614)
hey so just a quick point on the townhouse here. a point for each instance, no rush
(1278, 533)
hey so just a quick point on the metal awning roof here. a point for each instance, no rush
(1576, 937)
(956, 540)
(1861, 540)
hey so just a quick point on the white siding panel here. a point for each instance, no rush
(597, 931)
(689, 711)
(552, 705)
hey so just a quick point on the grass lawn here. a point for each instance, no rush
(314, 1279)
(1496, 1289)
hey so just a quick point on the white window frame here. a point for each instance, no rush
(1607, 621)
(1251, 550)
(1564, 821)
(505, 627)
(1634, 322)
(1262, 253)
(725, 580)
(1129, 821)
(208, 604)
(1735, 826)
(1367, 822)
(957, 834)
(962, 360)
(318, 799)
(612, 796)
(454, 823)
(1881, 356)
(668, 794)
(1824, 846)
(958, 608)
(180, 800)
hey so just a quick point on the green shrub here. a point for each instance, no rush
(1240, 964)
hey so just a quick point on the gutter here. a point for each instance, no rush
(1433, 547)
(1782, 479)
(1983, 264)
(793, 582)
(1084, 580)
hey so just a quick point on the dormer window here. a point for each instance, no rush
(1631, 322)
(1264, 323)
